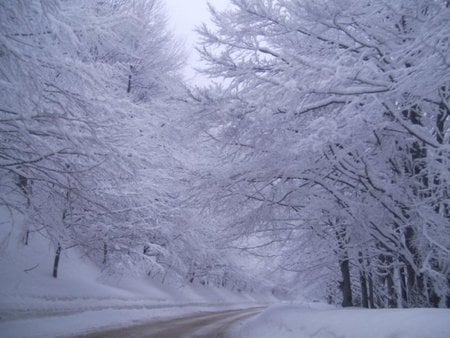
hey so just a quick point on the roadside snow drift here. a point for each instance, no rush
(82, 299)
(321, 321)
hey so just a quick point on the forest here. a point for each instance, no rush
(321, 148)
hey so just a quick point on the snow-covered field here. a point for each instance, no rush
(322, 321)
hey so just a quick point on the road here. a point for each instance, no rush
(206, 325)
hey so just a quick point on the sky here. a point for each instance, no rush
(184, 16)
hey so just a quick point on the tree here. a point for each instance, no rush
(67, 114)
(93, 139)
(341, 102)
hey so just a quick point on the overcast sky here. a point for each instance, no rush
(184, 16)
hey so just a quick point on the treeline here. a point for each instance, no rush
(333, 126)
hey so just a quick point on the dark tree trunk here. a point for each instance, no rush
(442, 117)
(129, 84)
(412, 286)
(364, 293)
(27, 236)
(345, 284)
(105, 252)
(447, 299)
(129, 80)
(371, 292)
(403, 285)
(363, 282)
(392, 295)
(56, 262)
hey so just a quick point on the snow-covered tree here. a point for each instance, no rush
(65, 117)
(335, 115)
(94, 138)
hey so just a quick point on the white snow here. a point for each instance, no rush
(82, 299)
(323, 321)
(95, 320)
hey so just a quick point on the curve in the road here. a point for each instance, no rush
(209, 325)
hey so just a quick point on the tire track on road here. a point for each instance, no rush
(206, 325)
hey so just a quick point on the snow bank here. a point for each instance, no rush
(82, 299)
(322, 321)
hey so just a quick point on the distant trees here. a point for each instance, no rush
(334, 115)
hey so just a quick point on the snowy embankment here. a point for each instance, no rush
(79, 301)
(82, 299)
(323, 321)
(86, 321)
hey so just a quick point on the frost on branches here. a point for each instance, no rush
(333, 125)
(90, 132)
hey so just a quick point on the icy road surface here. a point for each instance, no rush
(201, 325)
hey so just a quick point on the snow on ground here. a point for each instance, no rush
(96, 320)
(81, 299)
(323, 321)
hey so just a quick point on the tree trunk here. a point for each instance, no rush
(363, 282)
(129, 80)
(398, 284)
(390, 286)
(371, 293)
(434, 299)
(364, 293)
(105, 252)
(56, 261)
(416, 291)
(447, 299)
(27, 237)
(345, 285)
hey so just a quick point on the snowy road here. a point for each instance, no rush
(201, 325)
